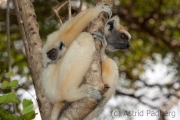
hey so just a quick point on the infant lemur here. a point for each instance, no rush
(67, 56)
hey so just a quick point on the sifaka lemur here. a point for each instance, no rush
(67, 56)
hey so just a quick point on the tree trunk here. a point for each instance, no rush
(30, 34)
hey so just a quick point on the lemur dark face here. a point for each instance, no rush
(117, 40)
(52, 54)
(117, 37)
(56, 52)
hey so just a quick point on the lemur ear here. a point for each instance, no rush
(61, 45)
(116, 18)
(111, 25)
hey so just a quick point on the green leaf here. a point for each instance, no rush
(27, 106)
(28, 112)
(4, 84)
(9, 85)
(11, 97)
(9, 74)
(28, 109)
(3, 99)
(15, 117)
(13, 83)
(29, 116)
(4, 115)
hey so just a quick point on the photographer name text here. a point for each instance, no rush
(148, 113)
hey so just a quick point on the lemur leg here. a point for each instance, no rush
(110, 78)
(56, 109)
(73, 68)
(109, 68)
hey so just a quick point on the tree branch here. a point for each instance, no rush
(57, 10)
(69, 9)
(30, 33)
(139, 98)
(8, 36)
(9, 47)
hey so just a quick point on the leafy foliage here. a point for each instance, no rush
(7, 98)
(10, 97)
(4, 115)
(28, 112)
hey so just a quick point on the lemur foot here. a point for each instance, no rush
(99, 36)
(92, 91)
(106, 8)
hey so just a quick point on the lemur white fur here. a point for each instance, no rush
(61, 79)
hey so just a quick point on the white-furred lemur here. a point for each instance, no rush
(67, 56)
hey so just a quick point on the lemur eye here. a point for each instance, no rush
(122, 35)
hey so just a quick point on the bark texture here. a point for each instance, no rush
(30, 34)
(80, 109)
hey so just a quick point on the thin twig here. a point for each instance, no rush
(57, 1)
(69, 9)
(8, 36)
(57, 15)
(136, 97)
(80, 6)
(57, 10)
(9, 47)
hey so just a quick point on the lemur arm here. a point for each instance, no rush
(72, 28)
